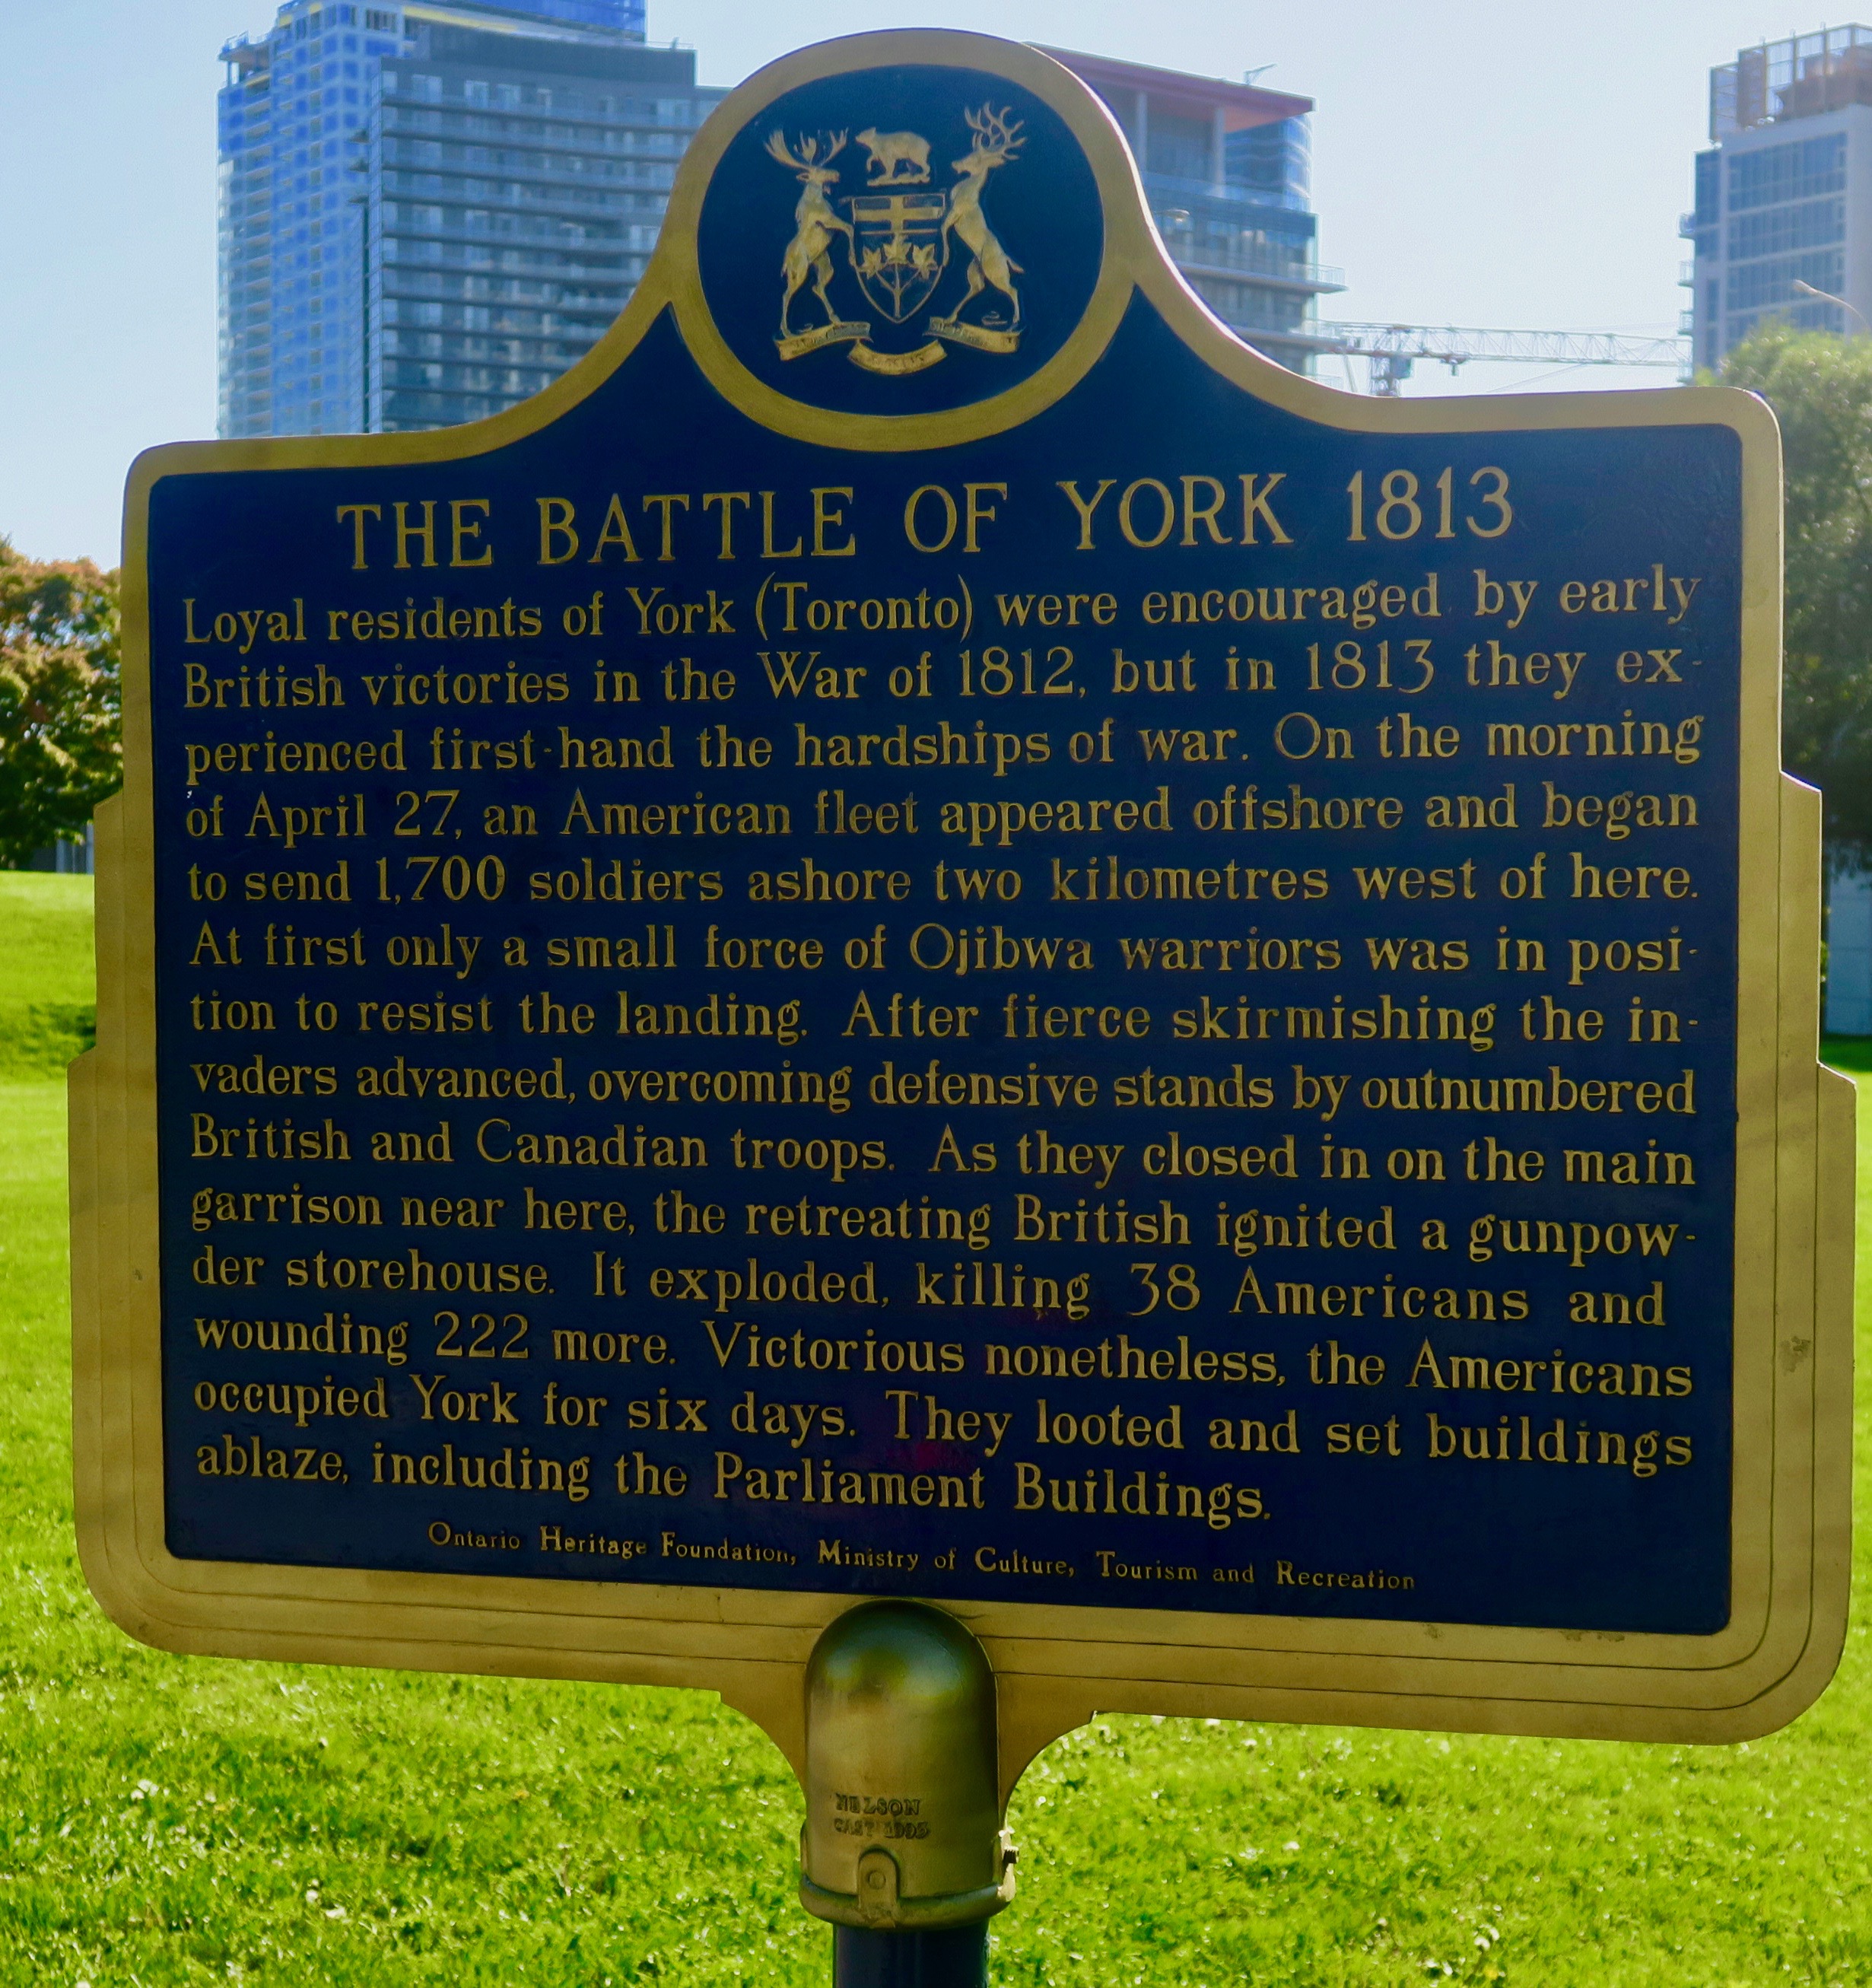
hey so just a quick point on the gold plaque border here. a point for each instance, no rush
(1057, 1664)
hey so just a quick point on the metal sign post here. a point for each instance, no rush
(933, 1002)
(900, 1697)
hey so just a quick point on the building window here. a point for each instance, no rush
(1179, 146)
(1780, 173)
(1773, 231)
(1754, 284)
(1709, 189)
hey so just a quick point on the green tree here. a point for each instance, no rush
(61, 730)
(1820, 388)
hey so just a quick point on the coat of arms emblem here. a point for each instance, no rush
(900, 234)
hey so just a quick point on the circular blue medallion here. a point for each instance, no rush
(900, 241)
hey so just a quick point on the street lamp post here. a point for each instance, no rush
(1808, 289)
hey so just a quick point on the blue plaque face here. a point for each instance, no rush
(931, 934)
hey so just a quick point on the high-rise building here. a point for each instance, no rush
(1227, 169)
(1784, 211)
(429, 211)
(1784, 195)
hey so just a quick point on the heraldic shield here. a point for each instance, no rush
(900, 248)
(897, 245)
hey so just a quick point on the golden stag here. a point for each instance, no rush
(996, 141)
(809, 254)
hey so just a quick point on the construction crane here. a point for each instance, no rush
(1393, 350)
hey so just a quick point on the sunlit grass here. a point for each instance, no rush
(165, 1820)
(47, 1007)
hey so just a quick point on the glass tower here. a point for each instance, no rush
(1784, 198)
(1227, 171)
(427, 212)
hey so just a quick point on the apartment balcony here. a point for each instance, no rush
(1260, 265)
(245, 54)
(527, 186)
(1171, 186)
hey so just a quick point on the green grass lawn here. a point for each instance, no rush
(165, 1820)
(48, 1009)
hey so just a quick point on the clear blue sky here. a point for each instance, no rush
(1480, 162)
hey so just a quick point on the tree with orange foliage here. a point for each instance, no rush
(61, 732)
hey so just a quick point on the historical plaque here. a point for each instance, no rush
(930, 933)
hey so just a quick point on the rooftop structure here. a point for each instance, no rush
(1782, 223)
(428, 211)
(1799, 77)
(1227, 170)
